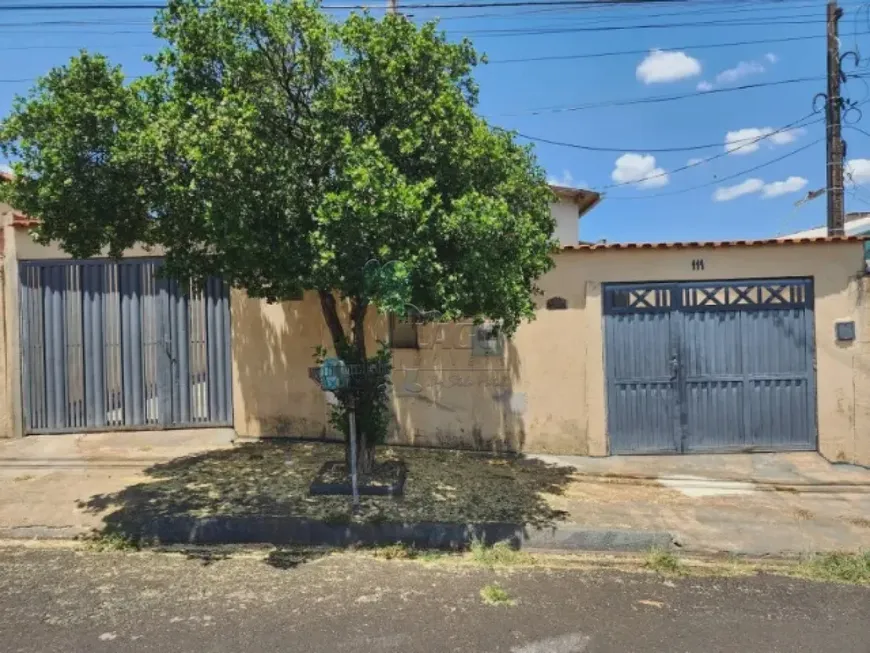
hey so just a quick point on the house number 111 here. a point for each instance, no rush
(697, 264)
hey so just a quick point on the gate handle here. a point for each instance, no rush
(167, 344)
(675, 368)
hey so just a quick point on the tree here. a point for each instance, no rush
(285, 152)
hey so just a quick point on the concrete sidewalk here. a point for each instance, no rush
(754, 504)
(801, 471)
(43, 477)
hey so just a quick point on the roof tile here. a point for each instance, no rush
(714, 243)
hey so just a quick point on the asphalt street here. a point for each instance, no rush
(64, 600)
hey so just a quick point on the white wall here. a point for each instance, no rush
(567, 222)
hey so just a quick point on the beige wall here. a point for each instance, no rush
(546, 392)
(861, 377)
(26, 249)
(6, 429)
(10, 388)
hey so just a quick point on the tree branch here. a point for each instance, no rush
(330, 314)
(358, 310)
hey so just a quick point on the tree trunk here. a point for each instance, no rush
(365, 456)
(365, 459)
(330, 314)
(365, 450)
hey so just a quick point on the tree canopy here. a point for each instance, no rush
(283, 151)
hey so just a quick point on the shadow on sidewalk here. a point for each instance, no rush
(236, 491)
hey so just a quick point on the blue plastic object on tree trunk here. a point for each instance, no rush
(333, 374)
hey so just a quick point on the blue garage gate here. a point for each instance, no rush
(710, 366)
(112, 344)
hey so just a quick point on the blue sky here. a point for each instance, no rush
(652, 202)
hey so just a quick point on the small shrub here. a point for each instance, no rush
(397, 551)
(841, 567)
(662, 561)
(495, 595)
(100, 541)
(432, 555)
(501, 554)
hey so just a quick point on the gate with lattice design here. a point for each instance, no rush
(710, 366)
(110, 345)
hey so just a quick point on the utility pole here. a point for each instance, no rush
(834, 162)
(392, 6)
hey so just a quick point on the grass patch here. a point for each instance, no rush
(493, 594)
(100, 542)
(433, 555)
(397, 551)
(501, 554)
(839, 567)
(663, 562)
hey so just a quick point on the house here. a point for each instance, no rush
(757, 345)
(856, 224)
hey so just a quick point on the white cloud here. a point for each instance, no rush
(772, 58)
(728, 193)
(858, 170)
(694, 162)
(566, 179)
(777, 188)
(749, 139)
(745, 141)
(704, 86)
(663, 66)
(639, 169)
(786, 136)
(741, 70)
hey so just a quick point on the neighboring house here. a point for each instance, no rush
(637, 348)
(856, 224)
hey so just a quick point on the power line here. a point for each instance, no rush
(697, 46)
(75, 23)
(78, 46)
(610, 18)
(478, 34)
(662, 98)
(558, 57)
(114, 6)
(542, 31)
(593, 148)
(585, 26)
(857, 129)
(797, 124)
(727, 178)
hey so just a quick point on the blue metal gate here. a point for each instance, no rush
(710, 366)
(109, 345)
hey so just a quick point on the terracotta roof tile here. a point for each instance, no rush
(711, 243)
(21, 220)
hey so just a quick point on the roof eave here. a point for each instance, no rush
(585, 200)
(714, 244)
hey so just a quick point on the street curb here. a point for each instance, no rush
(756, 486)
(308, 532)
(287, 531)
(575, 538)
